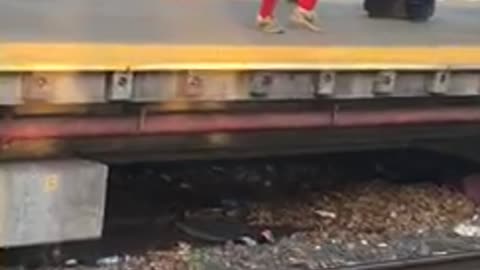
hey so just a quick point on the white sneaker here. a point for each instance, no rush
(305, 19)
(269, 25)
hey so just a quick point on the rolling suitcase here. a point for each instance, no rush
(414, 10)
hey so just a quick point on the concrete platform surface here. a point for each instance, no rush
(171, 34)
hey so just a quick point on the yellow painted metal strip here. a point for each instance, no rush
(100, 57)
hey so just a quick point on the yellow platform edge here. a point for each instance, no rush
(21, 57)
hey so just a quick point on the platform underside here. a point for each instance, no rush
(218, 34)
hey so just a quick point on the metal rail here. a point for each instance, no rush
(460, 261)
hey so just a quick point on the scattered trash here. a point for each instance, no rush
(364, 242)
(421, 231)
(71, 263)
(267, 236)
(439, 253)
(112, 260)
(184, 248)
(467, 230)
(382, 245)
(326, 214)
(248, 241)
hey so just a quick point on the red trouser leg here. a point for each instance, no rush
(267, 8)
(308, 5)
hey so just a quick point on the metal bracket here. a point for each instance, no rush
(325, 86)
(440, 83)
(384, 83)
(262, 84)
(38, 87)
(121, 86)
(194, 86)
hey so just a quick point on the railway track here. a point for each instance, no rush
(146, 196)
(463, 261)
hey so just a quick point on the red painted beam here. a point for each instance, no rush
(438, 115)
(70, 127)
(38, 128)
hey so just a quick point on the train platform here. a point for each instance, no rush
(142, 35)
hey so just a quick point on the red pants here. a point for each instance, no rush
(268, 6)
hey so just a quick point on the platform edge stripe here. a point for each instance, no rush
(93, 57)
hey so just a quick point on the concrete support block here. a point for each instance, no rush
(51, 201)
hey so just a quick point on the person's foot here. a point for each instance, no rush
(305, 19)
(269, 25)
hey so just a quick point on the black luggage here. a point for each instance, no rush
(414, 10)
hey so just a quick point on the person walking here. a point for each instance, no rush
(303, 15)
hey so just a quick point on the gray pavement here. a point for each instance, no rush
(226, 22)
